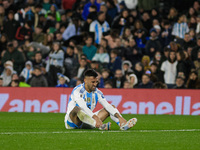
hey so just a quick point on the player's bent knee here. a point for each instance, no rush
(74, 112)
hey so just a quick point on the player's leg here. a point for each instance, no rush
(78, 117)
(129, 124)
(103, 114)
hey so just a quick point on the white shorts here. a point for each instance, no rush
(70, 125)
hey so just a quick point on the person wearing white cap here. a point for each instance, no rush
(133, 80)
(7, 76)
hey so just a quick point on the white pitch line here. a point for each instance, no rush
(114, 131)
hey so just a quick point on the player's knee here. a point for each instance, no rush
(74, 112)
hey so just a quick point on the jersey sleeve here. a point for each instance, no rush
(92, 27)
(80, 101)
(105, 103)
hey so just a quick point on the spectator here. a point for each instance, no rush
(146, 5)
(156, 73)
(195, 50)
(126, 67)
(27, 71)
(112, 39)
(1, 81)
(96, 66)
(153, 44)
(78, 82)
(108, 85)
(87, 6)
(78, 71)
(10, 26)
(121, 50)
(38, 35)
(33, 14)
(146, 82)
(38, 79)
(14, 83)
(105, 76)
(115, 61)
(7, 75)
(101, 56)
(46, 5)
(145, 62)
(140, 40)
(20, 15)
(126, 85)
(99, 27)
(55, 63)
(187, 42)
(146, 21)
(139, 71)
(104, 9)
(182, 66)
(193, 82)
(197, 64)
(180, 27)
(50, 24)
(112, 9)
(72, 30)
(169, 69)
(38, 61)
(159, 85)
(2, 16)
(121, 21)
(7, 63)
(3, 42)
(119, 79)
(173, 15)
(62, 81)
(132, 80)
(24, 33)
(22, 82)
(166, 34)
(179, 83)
(89, 50)
(54, 11)
(133, 54)
(15, 56)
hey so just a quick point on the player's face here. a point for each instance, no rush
(91, 83)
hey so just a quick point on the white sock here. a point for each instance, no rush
(85, 118)
(115, 119)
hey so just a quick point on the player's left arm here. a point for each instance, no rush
(113, 111)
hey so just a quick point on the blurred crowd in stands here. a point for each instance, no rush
(130, 43)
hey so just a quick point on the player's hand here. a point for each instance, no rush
(98, 121)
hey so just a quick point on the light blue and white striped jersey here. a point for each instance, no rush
(87, 101)
(98, 29)
(179, 29)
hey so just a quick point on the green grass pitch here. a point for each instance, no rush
(44, 131)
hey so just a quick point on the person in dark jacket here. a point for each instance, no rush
(115, 61)
(119, 79)
(180, 83)
(153, 44)
(10, 26)
(146, 82)
(38, 79)
(15, 56)
(24, 33)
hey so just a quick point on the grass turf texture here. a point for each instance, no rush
(47, 131)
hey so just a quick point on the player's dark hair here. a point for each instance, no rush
(90, 73)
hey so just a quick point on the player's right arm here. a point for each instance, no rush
(80, 101)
